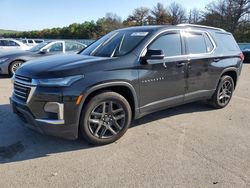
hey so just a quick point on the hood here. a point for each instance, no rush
(59, 66)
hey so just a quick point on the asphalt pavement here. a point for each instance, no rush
(187, 146)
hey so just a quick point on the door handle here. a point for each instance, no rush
(180, 64)
(216, 60)
(165, 66)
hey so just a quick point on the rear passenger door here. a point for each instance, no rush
(199, 49)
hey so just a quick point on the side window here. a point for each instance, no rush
(57, 47)
(73, 46)
(30, 41)
(38, 41)
(209, 43)
(195, 43)
(170, 44)
(2, 43)
(24, 41)
(12, 43)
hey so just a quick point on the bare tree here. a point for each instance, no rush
(194, 16)
(160, 14)
(227, 14)
(177, 13)
(139, 16)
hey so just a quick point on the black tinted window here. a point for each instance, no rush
(195, 43)
(38, 41)
(116, 43)
(30, 41)
(170, 44)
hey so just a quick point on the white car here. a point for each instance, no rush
(32, 42)
(12, 44)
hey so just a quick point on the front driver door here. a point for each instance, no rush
(162, 82)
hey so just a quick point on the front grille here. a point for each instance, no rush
(22, 88)
(23, 78)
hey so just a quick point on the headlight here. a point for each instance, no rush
(59, 82)
(2, 60)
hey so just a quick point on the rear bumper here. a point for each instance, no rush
(45, 126)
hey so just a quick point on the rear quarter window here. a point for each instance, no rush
(227, 41)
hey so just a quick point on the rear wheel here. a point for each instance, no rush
(223, 93)
(14, 66)
(105, 118)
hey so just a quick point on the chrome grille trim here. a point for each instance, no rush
(24, 87)
(23, 78)
(20, 96)
(23, 93)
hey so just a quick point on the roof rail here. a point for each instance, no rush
(201, 26)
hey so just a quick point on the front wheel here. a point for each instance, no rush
(14, 66)
(223, 93)
(105, 118)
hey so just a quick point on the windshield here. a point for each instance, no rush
(115, 44)
(38, 47)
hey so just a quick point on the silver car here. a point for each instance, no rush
(12, 44)
(11, 61)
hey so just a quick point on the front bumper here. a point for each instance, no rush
(52, 127)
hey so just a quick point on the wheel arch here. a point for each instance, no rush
(123, 88)
(233, 72)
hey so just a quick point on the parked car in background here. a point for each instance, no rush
(32, 42)
(12, 44)
(245, 48)
(11, 61)
(246, 53)
(125, 75)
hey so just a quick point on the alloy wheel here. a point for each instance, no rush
(107, 119)
(15, 66)
(225, 93)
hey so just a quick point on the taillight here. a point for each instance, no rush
(242, 57)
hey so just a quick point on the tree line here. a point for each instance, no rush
(231, 15)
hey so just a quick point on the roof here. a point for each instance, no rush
(159, 27)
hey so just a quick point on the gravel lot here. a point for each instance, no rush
(188, 146)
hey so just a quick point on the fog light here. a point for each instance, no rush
(54, 107)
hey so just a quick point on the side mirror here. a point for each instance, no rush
(44, 51)
(154, 55)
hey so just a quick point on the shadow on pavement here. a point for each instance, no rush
(183, 109)
(4, 76)
(18, 143)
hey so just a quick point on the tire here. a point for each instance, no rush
(105, 118)
(14, 66)
(223, 93)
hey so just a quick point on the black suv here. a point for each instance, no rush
(123, 76)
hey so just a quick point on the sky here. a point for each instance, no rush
(26, 15)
